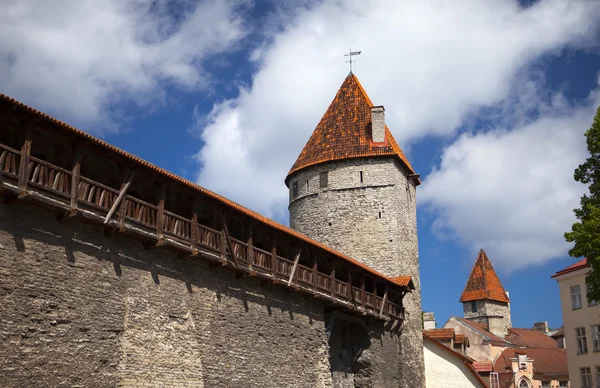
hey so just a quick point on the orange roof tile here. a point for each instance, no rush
(258, 217)
(403, 281)
(483, 282)
(531, 338)
(460, 338)
(439, 333)
(573, 267)
(545, 361)
(344, 131)
(483, 366)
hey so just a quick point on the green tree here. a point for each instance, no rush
(585, 233)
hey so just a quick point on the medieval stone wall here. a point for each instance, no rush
(490, 310)
(80, 309)
(373, 221)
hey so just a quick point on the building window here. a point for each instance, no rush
(581, 340)
(307, 186)
(361, 177)
(545, 384)
(494, 380)
(323, 179)
(473, 307)
(586, 377)
(596, 338)
(598, 376)
(576, 297)
(294, 189)
(524, 384)
(563, 384)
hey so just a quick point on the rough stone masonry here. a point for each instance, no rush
(81, 309)
(367, 210)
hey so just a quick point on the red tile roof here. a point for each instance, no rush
(439, 333)
(403, 281)
(483, 282)
(460, 338)
(573, 267)
(531, 338)
(344, 131)
(549, 362)
(483, 366)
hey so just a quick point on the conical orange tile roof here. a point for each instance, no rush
(344, 131)
(483, 282)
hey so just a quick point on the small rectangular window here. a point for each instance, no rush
(576, 297)
(597, 376)
(473, 307)
(596, 338)
(586, 377)
(545, 384)
(307, 186)
(494, 380)
(323, 179)
(294, 189)
(361, 177)
(581, 340)
(563, 384)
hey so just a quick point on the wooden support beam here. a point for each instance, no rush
(274, 262)
(75, 179)
(384, 301)
(332, 283)
(250, 251)
(314, 274)
(293, 272)
(160, 214)
(24, 163)
(122, 193)
(229, 243)
(194, 226)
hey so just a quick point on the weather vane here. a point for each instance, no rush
(350, 54)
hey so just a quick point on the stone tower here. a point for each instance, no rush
(353, 189)
(484, 299)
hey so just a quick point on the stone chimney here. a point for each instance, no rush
(428, 321)
(543, 326)
(378, 124)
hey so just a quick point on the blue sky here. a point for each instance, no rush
(489, 100)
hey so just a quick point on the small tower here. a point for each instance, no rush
(353, 189)
(484, 299)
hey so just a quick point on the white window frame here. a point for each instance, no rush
(581, 339)
(585, 374)
(596, 339)
(576, 297)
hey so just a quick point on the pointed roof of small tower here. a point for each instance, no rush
(483, 282)
(344, 131)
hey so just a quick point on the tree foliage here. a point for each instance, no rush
(585, 233)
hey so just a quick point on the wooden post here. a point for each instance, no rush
(24, 163)
(75, 180)
(332, 281)
(250, 252)
(194, 226)
(314, 274)
(384, 301)
(274, 262)
(294, 267)
(223, 248)
(122, 193)
(228, 239)
(160, 217)
(362, 294)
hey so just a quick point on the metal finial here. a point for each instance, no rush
(350, 54)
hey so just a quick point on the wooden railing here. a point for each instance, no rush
(134, 213)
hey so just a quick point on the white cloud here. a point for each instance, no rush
(432, 64)
(80, 58)
(512, 192)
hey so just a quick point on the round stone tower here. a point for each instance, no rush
(353, 189)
